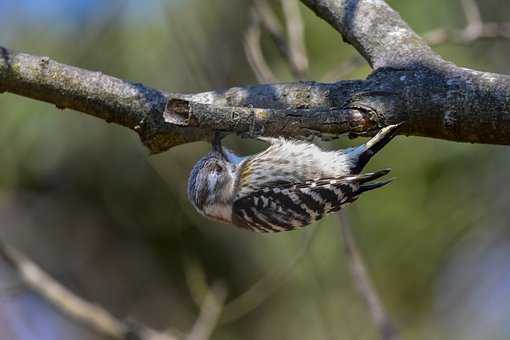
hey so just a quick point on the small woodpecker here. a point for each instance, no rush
(289, 185)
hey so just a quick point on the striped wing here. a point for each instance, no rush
(286, 206)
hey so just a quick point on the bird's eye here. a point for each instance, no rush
(218, 168)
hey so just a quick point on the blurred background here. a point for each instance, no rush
(87, 202)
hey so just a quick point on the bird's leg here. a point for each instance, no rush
(216, 141)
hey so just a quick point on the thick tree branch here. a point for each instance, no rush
(411, 83)
(438, 100)
(111, 99)
(375, 30)
(261, 109)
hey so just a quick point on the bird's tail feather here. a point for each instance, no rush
(372, 186)
(369, 176)
(365, 180)
(374, 145)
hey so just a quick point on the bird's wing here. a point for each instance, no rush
(286, 206)
(284, 162)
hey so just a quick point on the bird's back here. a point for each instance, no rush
(290, 161)
(292, 184)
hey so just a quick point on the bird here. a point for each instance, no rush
(289, 185)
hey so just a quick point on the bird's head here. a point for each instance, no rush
(211, 183)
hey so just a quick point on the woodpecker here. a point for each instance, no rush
(289, 185)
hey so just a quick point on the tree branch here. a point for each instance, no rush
(298, 59)
(210, 313)
(253, 50)
(410, 84)
(164, 120)
(71, 305)
(440, 101)
(475, 28)
(364, 284)
(375, 30)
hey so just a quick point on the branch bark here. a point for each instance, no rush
(375, 30)
(410, 83)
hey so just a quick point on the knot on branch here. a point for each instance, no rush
(177, 112)
(372, 106)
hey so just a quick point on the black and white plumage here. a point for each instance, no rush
(289, 185)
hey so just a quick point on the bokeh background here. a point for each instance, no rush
(87, 202)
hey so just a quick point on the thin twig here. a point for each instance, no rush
(291, 46)
(364, 284)
(475, 28)
(472, 14)
(298, 58)
(253, 51)
(210, 313)
(89, 314)
(271, 24)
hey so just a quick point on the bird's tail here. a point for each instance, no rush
(366, 182)
(366, 151)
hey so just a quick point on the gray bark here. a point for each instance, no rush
(410, 84)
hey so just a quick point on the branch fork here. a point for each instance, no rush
(411, 84)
